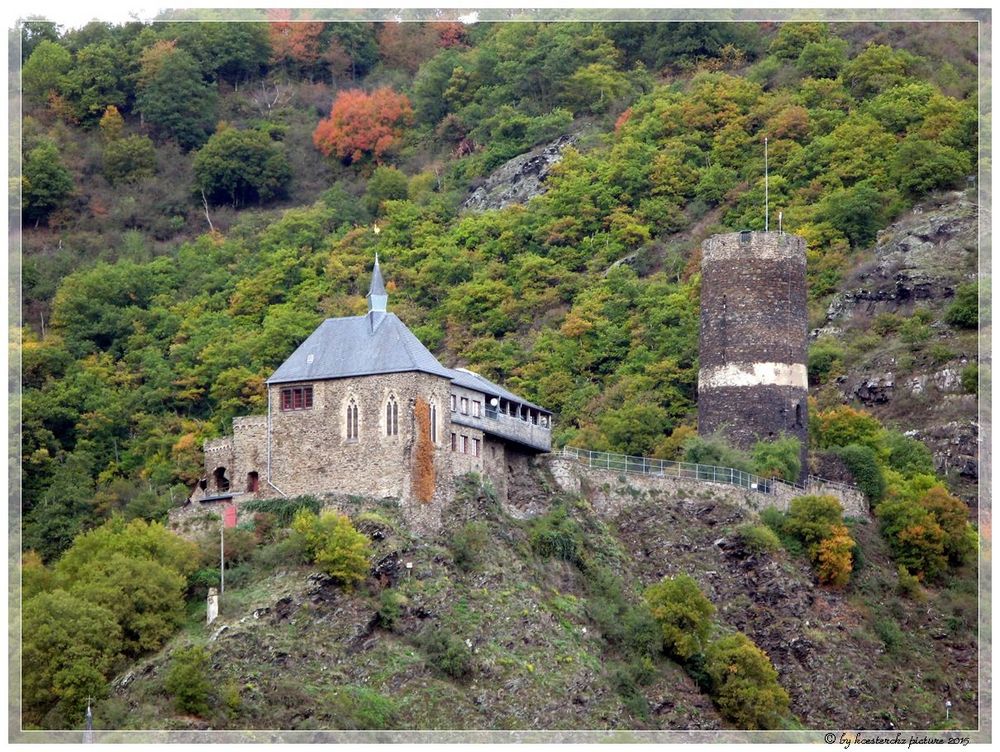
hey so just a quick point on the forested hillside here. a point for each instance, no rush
(196, 197)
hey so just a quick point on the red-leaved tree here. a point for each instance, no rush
(362, 124)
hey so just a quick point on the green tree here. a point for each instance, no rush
(145, 596)
(863, 462)
(858, 212)
(964, 311)
(176, 100)
(240, 167)
(358, 41)
(683, 612)
(915, 538)
(826, 358)
(907, 455)
(35, 576)
(34, 31)
(781, 458)
(921, 165)
(64, 507)
(69, 646)
(594, 88)
(715, 182)
(744, 683)
(231, 51)
(187, 680)
(45, 183)
(813, 518)
(792, 38)
(129, 159)
(136, 539)
(137, 572)
(822, 59)
(430, 84)
(334, 545)
(952, 514)
(845, 425)
(386, 183)
(43, 72)
(877, 68)
(633, 428)
(714, 450)
(98, 78)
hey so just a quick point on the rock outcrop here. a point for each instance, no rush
(918, 262)
(922, 257)
(520, 179)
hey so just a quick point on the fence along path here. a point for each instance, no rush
(658, 468)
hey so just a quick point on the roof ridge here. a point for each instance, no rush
(406, 344)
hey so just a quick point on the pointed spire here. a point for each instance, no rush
(377, 296)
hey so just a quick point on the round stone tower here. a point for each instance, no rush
(752, 382)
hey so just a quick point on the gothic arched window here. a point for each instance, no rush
(392, 417)
(352, 420)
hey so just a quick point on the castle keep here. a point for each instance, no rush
(752, 383)
(363, 408)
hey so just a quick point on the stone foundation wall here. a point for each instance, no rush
(612, 492)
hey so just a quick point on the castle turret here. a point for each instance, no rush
(752, 383)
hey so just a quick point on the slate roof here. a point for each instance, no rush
(358, 346)
(372, 344)
(351, 347)
(377, 286)
(471, 380)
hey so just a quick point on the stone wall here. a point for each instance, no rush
(463, 457)
(612, 492)
(196, 517)
(311, 451)
(495, 465)
(752, 381)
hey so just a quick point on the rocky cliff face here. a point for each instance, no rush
(913, 379)
(520, 179)
(921, 258)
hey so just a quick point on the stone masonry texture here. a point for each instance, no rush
(753, 340)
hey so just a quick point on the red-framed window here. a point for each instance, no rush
(297, 398)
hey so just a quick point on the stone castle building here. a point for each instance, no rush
(752, 382)
(363, 408)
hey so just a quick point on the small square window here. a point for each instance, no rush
(296, 398)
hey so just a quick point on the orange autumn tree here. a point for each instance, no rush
(362, 124)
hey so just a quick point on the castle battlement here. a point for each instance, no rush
(736, 246)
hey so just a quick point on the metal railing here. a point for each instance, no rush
(658, 468)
